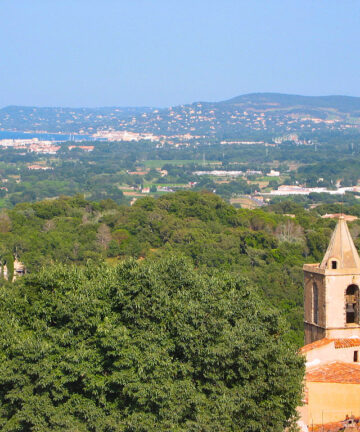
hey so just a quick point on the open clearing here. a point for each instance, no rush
(245, 202)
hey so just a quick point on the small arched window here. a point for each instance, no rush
(352, 304)
(315, 303)
(333, 264)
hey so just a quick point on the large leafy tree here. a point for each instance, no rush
(151, 346)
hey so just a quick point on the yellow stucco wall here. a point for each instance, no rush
(331, 402)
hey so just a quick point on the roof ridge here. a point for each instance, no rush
(343, 342)
(341, 248)
(316, 344)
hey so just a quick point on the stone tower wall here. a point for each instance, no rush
(313, 330)
(331, 287)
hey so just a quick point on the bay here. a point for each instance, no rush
(44, 136)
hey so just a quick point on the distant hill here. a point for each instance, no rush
(346, 104)
(59, 119)
(252, 115)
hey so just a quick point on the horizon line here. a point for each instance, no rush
(174, 105)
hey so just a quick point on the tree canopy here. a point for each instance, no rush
(143, 346)
(268, 246)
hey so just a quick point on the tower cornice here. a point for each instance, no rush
(315, 268)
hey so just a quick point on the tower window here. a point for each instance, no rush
(352, 304)
(334, 265)
(355, 356)
(315, 304)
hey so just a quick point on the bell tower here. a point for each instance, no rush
(331, 290)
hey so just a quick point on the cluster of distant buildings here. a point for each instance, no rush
(37, 167)
(39, 146)
(81, 147)
(300, 190)
(146, 190)
(31, 145)
(220, 173)
(200, 117)
(224, 173)
(292, 137)
(243, 142)
(125, 135)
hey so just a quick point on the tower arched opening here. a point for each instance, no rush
(315, 303)
(352, 304)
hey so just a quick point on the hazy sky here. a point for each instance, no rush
(167, 52)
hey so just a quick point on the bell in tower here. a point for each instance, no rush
(331, 291)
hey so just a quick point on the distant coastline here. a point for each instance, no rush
(8, 134)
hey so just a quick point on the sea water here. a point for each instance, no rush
(44, 136)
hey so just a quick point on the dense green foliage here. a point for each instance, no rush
(113, 170)
(266, 246)
(176, 313)
(143, 347)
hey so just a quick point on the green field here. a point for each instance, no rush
(279, 179)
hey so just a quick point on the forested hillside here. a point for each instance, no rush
(61, 119)
(177, 313)
(253, 115)
(267, 247)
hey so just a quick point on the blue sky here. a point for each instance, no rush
(161, 53)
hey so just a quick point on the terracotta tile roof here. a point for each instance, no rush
(335, 372)
(333, 427)
(329, 427)
(317, 344)
(347, 342)
(338, 343)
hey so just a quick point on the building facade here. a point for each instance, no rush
(332, 334)
(331, 290)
